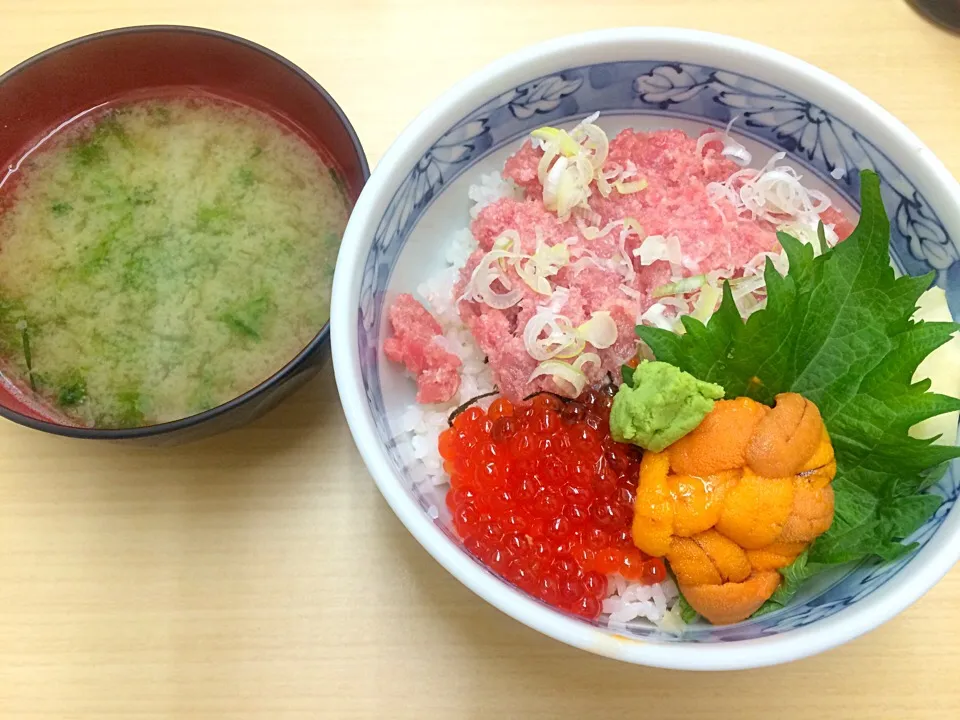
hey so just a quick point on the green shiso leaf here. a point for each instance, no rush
(838, 330)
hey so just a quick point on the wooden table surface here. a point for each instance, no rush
(260, 574)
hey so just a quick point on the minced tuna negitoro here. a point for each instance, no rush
(581, 280)
(414, 343)
(519, 347)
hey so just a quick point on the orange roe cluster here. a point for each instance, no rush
(543, 496)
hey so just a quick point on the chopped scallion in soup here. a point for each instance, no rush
(162, 258)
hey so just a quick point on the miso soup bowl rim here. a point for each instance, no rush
(288, 370)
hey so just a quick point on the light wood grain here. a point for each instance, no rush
(260, 575)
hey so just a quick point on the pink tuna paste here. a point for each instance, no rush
(417, 344)
(674, 203)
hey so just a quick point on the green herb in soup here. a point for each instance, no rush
(163, 259)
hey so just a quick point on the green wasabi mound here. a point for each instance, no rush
(660, 405)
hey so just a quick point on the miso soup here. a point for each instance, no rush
(162, 257)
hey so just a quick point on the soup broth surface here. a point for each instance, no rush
(161, 258)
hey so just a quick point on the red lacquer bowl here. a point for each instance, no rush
(58, 84)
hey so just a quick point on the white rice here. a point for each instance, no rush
(628, 604)
(629, 601)
(492, 187)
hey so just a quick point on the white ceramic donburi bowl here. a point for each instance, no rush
(641, 77)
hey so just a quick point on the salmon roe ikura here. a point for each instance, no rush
(544, 497)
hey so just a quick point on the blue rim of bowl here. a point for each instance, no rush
(287, 370)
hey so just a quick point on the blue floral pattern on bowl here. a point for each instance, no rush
(808, 134)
